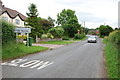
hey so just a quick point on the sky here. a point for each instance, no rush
(93, 12)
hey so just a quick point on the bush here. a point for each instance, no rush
(50, 35)
(79, 36)
(65, 38)
(22, 36)
(105, 39)
(8, 34)
(57, 32)
(44, 36)
(114, 37)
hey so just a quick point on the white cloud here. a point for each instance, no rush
(94, 12)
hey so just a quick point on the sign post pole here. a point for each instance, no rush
(17, 38)
(27, 39)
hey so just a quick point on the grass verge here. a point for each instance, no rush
(15, 51)
(57, 42)
(111, 55)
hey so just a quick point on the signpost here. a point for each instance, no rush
(22, 31)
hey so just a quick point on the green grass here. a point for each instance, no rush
(15, 51)
(111, 55)
(57, 42)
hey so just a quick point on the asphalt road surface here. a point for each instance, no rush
(77, 60)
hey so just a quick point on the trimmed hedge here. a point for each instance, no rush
(8, 34)
(114, 37)
(44, 36)
(57, 32)
(79, 36)
(65, 38)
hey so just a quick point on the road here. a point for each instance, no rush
(77, 60)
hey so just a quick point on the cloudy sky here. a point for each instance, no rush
(93, 12)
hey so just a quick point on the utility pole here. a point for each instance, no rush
(104, 24)
(84, 28)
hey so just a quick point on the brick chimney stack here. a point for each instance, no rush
(0, 4)
(0, 7)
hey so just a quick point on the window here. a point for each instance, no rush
(17, 21)
(5, 18)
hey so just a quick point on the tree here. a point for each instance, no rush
(69, 21)
(105, 30)
(57, 32)
(65, 16)
(86, 30)
(52, 21)
(33, 21)
(46, 25)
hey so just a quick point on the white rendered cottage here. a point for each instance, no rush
(12, 16)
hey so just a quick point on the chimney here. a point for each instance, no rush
(0, 7)
(0, 4)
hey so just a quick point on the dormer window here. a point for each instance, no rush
(17, 21)
(5, 18)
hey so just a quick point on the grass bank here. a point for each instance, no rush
(111, 55)
(57, 42)
(15, 51)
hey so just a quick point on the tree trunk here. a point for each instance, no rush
(36, 39)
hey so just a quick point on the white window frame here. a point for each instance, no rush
(5, 18)
(17, 21)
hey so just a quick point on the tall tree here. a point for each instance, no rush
(65, 16)
(105, 30)
(52, 21)
(33, 21)
(46, 25)
(69, 21)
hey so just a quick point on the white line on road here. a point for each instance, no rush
(30, 64)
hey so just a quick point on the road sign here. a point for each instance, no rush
(22, 30)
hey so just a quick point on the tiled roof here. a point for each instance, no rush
(13, 13)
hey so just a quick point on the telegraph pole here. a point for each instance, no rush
(84, 27)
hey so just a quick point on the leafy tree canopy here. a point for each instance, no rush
(46, 25)
(69, 21)
(65, 16)
(52, 21)
(33, 20)
(105, 30)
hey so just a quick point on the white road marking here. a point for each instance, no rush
(45, 65)
(16, 61)
(39, 64)
(31, 64)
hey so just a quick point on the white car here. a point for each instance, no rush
(92, 39)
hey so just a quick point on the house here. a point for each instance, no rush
(12, 16)
(94, 32)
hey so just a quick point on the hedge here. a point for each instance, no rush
(114, 37)
(8, 34)
(79, 36)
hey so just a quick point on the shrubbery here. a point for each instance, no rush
(22, 36)
(79, 36)
(8, 34)
(112, 50)
(57, 32)
(65, 38)
(50, 36)
(114, 37)
(44, 36)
